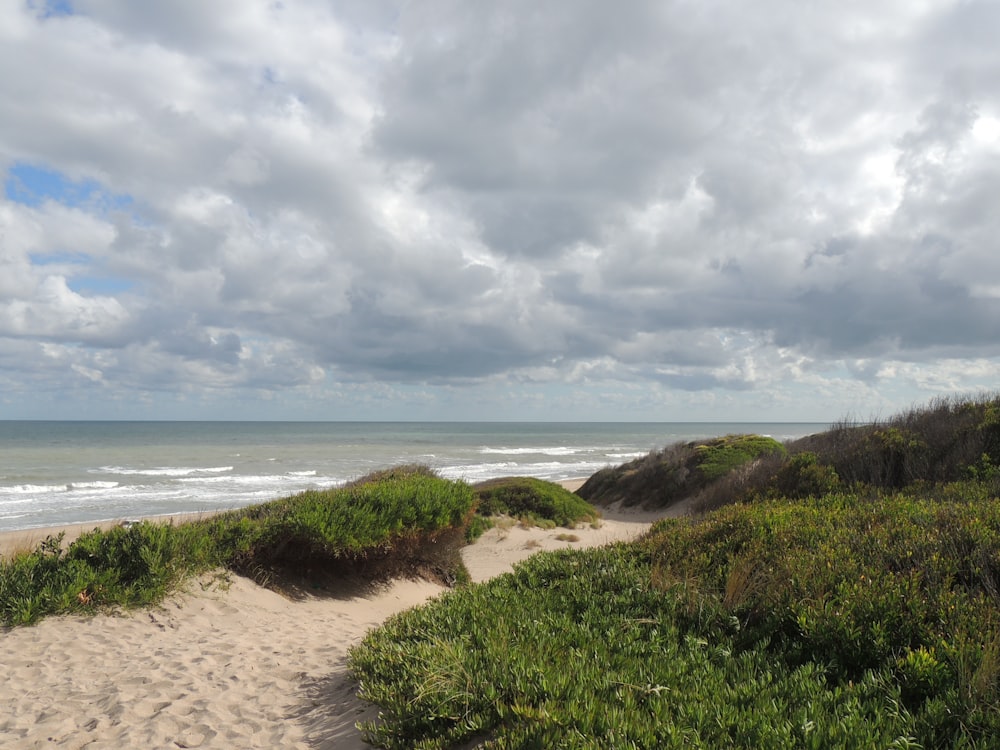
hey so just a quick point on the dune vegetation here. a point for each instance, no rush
(403, 521)
(678, 471)
(533, 502)
(847, 595)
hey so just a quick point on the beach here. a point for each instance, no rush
(226, 663)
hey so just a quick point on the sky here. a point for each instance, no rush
(673, 210)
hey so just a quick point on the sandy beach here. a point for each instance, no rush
(227, 663)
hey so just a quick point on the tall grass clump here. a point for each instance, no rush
(535, 501)
(947, 440)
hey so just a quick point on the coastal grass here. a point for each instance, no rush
(533, 502)
(851, 620)
(950, 439)
(127, 566)
(678, 471)
(406, 521)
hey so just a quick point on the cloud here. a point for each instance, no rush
(679, 209)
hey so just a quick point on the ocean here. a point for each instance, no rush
(55, 473)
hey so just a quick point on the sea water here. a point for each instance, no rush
(54, 473)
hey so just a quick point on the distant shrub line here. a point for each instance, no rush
(949, 440)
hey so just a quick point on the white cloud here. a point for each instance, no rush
(680, 210)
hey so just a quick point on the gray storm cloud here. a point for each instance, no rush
(711, 197)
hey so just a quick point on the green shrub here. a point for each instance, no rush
(717, 457)
(395, 523)
(534, 500)
(402, 521)
(803, 476)
(125, 566)
(578, 649)
(682, 471)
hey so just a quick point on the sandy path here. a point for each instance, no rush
(226, 667)
(222, 666)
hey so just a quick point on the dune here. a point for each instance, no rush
(226, 663)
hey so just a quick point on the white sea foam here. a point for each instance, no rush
(249, 479)
(166, 471)
(551, 470)
(555, 450)
(33, 489)
(91, 485)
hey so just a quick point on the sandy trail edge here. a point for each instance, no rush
(228, 665)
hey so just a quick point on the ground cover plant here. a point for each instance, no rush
(904, 584)
(405, 521)
(533, 501)
(126, 566)
(846, 621)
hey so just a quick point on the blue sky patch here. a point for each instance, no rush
(79, 280)
(91, 285)
(51, 8)
(51, 259)
(32, 185)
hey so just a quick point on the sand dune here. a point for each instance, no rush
(227, 663)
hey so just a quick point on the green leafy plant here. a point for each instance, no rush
(535, 501)
(851, 619)
(717, 457)
(400, 522)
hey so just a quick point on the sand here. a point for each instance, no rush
(226, 663)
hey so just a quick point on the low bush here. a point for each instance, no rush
(125, 566)
(804, 476)
(533, 500)
(677, 472)
(404, 521)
